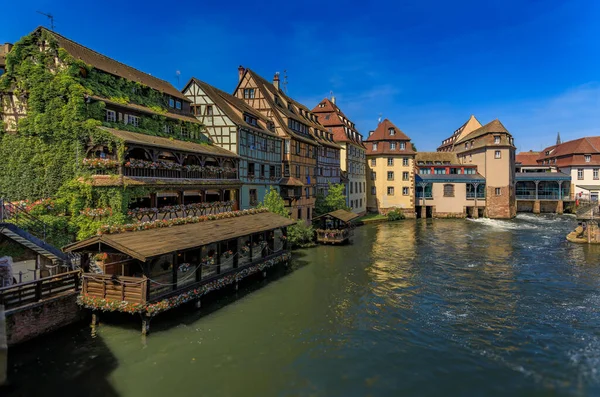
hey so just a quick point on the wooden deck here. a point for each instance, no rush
(332, 237)
(19, 295)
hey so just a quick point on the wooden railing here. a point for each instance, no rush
(34, 291)
(161, 173)
(332, 236)
(118, 288)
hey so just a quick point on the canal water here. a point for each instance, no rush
(412, 308)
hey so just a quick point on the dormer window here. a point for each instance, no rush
(588, 158)
(209, 110)
(497, 139)
(547, 152)
(178, 105)
(374, 146)
(270, 126)
(392, 131)
(392, 145)
(171, 102)
(290, 107)
(327, 117)
(277, 102)
(466, 145)
(402, 145)
(249, 119)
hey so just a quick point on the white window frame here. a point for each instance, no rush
(405, 191)
(113, 116)
(390, 190)
(497, 154)
(587, 157)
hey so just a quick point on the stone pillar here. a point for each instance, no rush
(423, 212)
(475, 212)
(559, 207)
(536, 206)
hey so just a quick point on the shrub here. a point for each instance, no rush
(395, 215)
(301, 235)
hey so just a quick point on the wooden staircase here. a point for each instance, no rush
(27, 230)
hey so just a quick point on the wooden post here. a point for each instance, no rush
(3, 347)
(145, 325)
(95, 319)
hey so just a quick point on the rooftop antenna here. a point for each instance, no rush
(177, 74)
(50, 17)
(285, 80)
(379, 119)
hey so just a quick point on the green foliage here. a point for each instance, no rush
(274, 203)
(301, 234)
(395, 215)
(333, 201)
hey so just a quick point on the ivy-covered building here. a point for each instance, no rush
(121, 141)
(234, 125)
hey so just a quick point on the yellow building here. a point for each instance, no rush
(390, 177)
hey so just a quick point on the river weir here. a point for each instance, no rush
(411, 308)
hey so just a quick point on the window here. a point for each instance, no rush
(249, 119)
(178, 105)
(286, 170)
(286, 148)
(297, 147)
(262, 170)
(405, 191)
(424, 171)
(248, 93)
(390, 190)
(360, 203)
(373, 162)
(440, 171)
(469, 171)
(405, 162)
(498, 191)
(251, 170)
(307, 192)
(373, 175)
(133, 120)
(272, 171)
(168, 129)
(588, 158)
(297, 171)
(390, 161)
(405, 176)
(448, 190)
(595, 173)
(373, 190)
(374, 147)
(308, 213)
(497, 154)
(392, 131)
(392, 145)
(466, 145)
(111, 116)
(351, 190)
(580, 173)
(402, 145)
(299, 213)
(209, 110)
(497, 139)
(171, 103)
(390, 175)
(253, 197)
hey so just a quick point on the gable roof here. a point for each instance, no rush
(109, 65)
(450, 157)
(586, 145)
(527, 158)
(469, 126)
(489, 128)
(330, 115)
(342, 215)
(267, 87)
(381, 133)
(228, 103)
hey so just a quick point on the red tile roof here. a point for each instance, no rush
(527, 158)
(573, 152)
(381, 133)
(383, 139)
(332, 117)
(489, 128)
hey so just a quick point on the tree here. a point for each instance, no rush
(414, 148)
(333, 201)
(274, 203)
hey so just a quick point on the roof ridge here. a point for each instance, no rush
(105, 56)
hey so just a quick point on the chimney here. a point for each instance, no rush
(241, 71)
(276, 80)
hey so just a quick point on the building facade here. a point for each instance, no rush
(234, 125)
(163, 147)
(390, 165)
(296, 128)
(352, 155)
(491, 148)
(580, 159)
(445, 188)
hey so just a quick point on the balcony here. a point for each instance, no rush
(179, 174)
(471, 195)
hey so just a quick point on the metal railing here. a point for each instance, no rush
(34, 291)
(10, 213)
(179, 174)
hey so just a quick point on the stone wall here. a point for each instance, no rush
(504, 205)
(40, 318)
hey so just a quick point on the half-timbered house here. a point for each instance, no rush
(234, 125)
(295, 126)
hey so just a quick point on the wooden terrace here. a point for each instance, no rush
(334, 227)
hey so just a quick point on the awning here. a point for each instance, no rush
(590, 188)
(146, 244)
(291, 181)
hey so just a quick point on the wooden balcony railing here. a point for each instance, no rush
(22, 294)
(179, 174)
(332, 236)
(117, 288)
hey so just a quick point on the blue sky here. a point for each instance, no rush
(426, 65)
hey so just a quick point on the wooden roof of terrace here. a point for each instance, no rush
(147, 244)
(342, 215)
(169, 144)
(147, 110)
